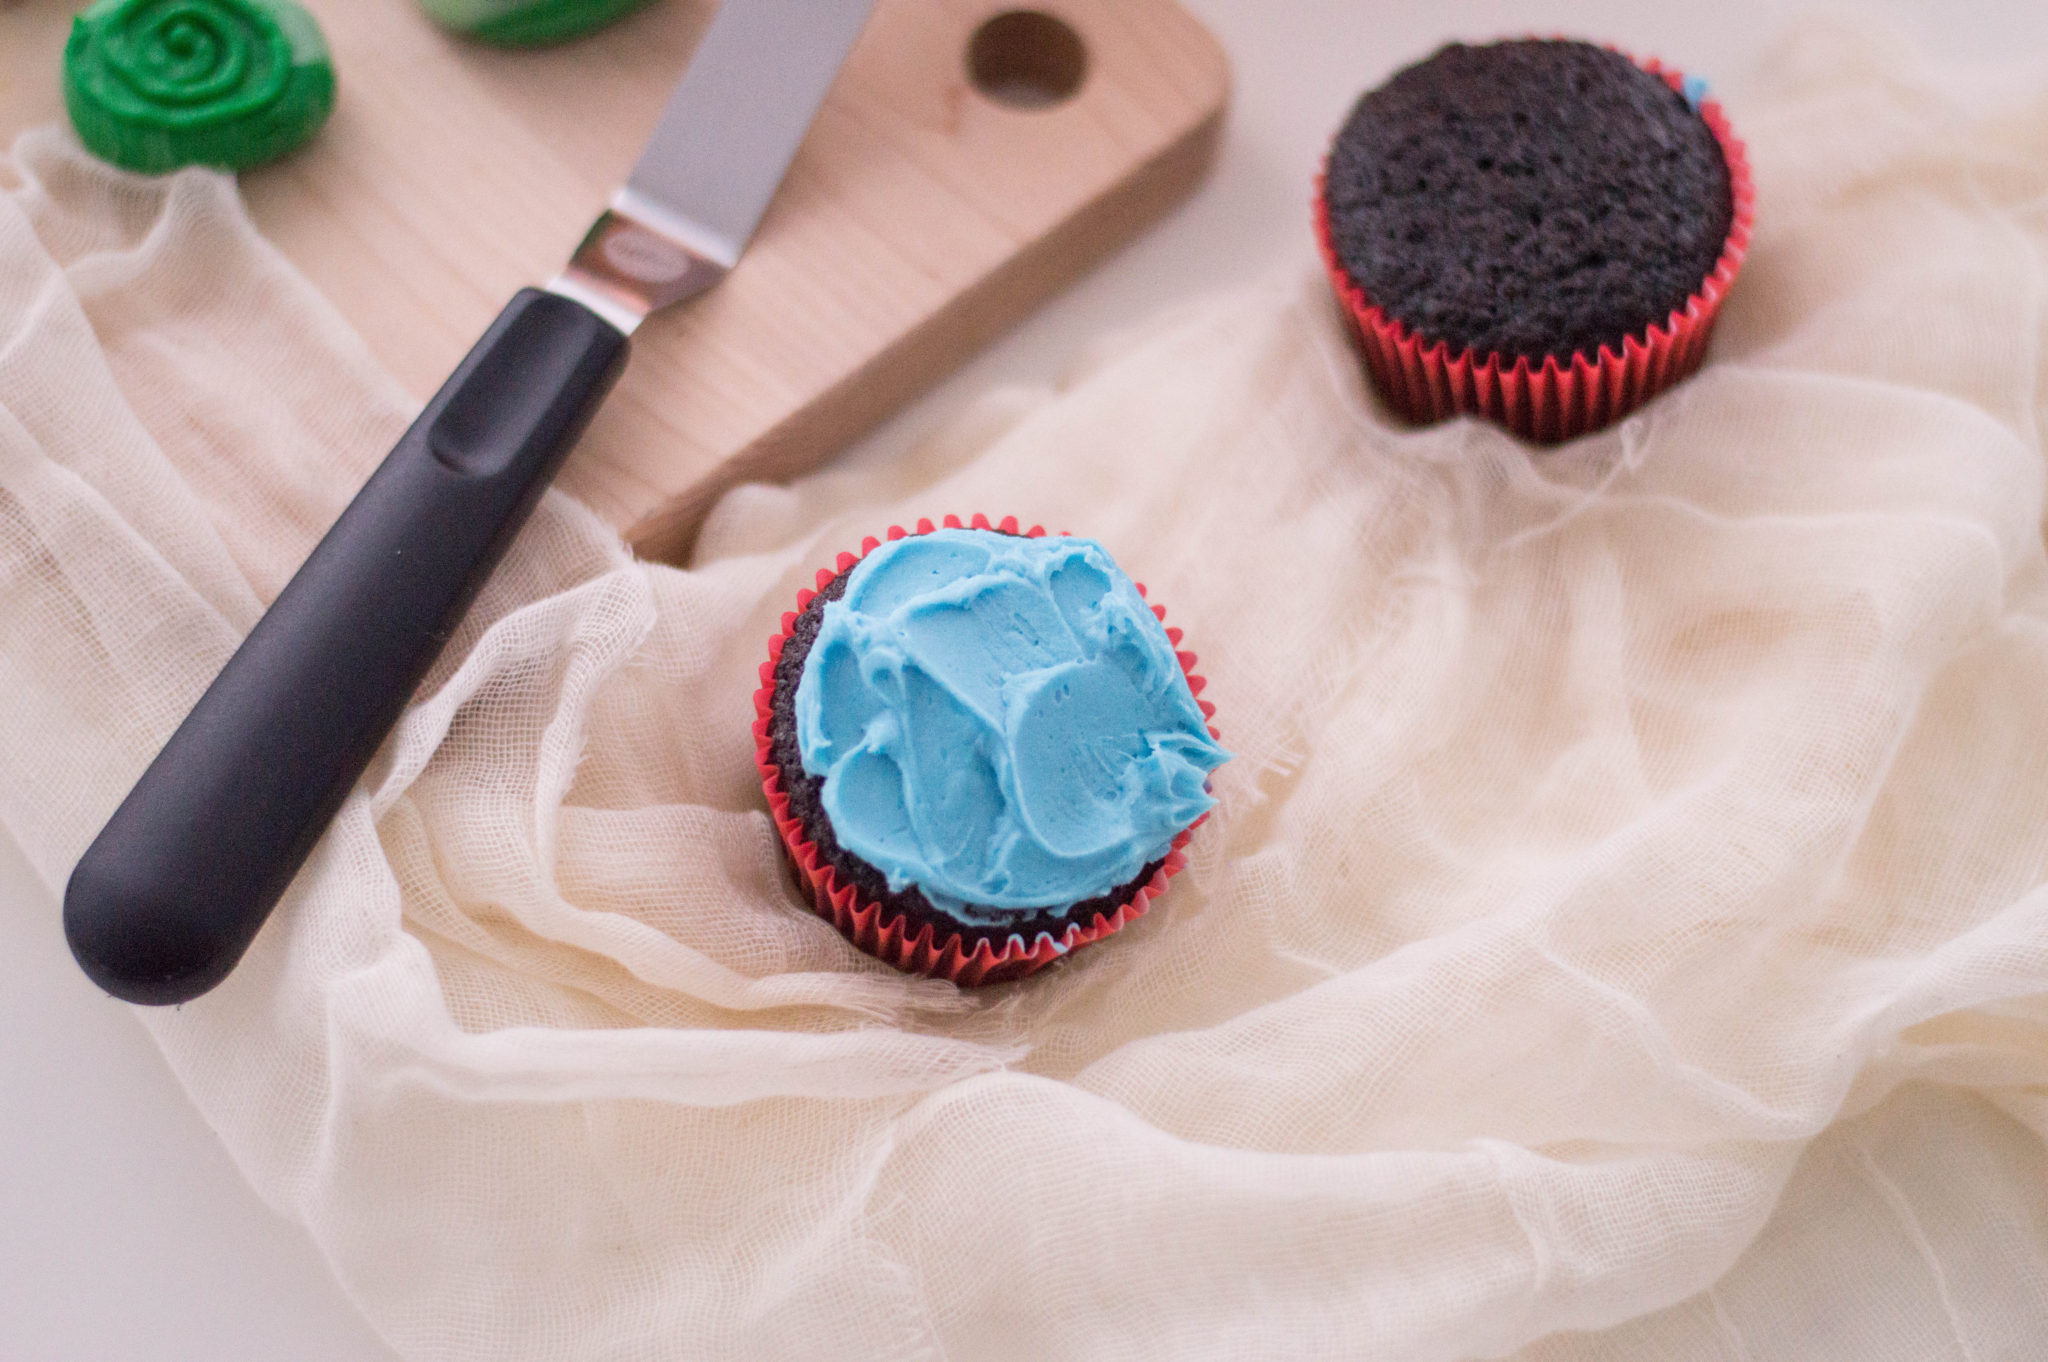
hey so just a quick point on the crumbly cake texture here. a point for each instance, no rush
(1538, 197)
(807, 806)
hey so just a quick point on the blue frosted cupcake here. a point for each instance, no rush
(981, 747)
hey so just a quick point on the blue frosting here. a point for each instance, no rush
(1696, 91)
(1001, 722)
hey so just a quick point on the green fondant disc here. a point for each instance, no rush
(526, 23)
(157, 84)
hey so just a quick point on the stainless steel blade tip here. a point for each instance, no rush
(730, 130)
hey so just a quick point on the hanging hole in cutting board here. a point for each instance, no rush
(1027, 59)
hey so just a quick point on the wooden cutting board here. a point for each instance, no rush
(926, 212)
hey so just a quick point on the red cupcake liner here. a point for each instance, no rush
(1552, 400)
(890, 936)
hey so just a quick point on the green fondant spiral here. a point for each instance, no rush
(157, 84)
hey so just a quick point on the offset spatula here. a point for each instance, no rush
(175, 887)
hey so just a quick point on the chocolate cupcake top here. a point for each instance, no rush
(1000, 723)
(1527, 198)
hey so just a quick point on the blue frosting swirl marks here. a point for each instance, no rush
(1001, 722)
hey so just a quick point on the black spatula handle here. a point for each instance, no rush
(176, 885)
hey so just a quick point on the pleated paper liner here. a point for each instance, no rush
(920, 948)
(1548, 400)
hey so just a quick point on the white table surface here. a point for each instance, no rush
(127, 1235)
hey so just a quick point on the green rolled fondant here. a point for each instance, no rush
(157, 84)
(526, 23)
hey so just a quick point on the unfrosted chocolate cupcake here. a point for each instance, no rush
(1537, 230)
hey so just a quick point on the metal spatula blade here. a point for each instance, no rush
(171, 893)
(716, 157)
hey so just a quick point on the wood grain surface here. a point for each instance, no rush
(921, 217)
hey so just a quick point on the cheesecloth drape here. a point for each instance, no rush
(1624, 932)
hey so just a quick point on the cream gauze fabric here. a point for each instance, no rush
(1623, 934)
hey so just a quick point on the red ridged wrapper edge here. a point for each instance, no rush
(1551, 400)
(866, 923)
